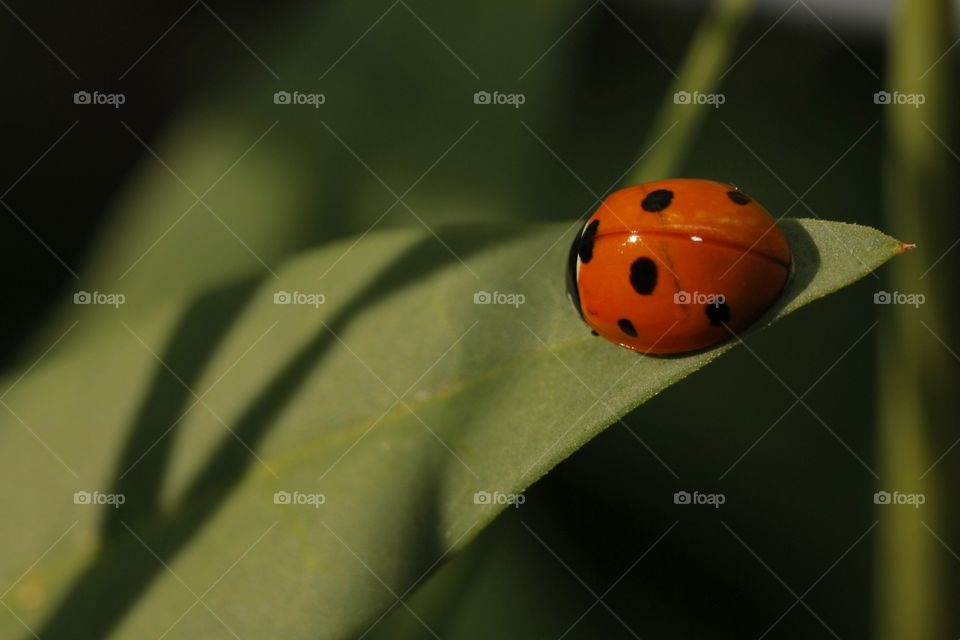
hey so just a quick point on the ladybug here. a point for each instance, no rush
(676, 265)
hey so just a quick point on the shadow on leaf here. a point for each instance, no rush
(139, 541)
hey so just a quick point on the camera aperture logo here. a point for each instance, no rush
(99, 99)
(887, 98)
(499, 298)
(299, 499)
(300, 298)
(712, 99)
(700, 298)
(697, 498)
(499, 497)
(898, 498)
(98, 498)
(512, 99)
(898, 297)
(99, 298)
(297, 98)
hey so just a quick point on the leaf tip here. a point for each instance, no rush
(907, 246)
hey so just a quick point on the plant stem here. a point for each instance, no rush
(708, 59)
(917, 376)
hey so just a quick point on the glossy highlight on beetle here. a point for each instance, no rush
(676, 265)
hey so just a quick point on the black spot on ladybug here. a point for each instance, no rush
(739, 197)
(719, 314)
(627, 327)
(586, 241)
(592, 332)
(643, 276)
(657, 201)
(573, 292)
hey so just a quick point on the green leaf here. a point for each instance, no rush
(397, 399)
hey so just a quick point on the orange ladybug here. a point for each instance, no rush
(676, 265)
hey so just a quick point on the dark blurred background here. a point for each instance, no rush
(799, 114)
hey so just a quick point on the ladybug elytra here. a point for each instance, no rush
(676, 265)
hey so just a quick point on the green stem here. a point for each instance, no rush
(917, 376)
(708, 59)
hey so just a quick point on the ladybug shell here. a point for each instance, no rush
(676, 265)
